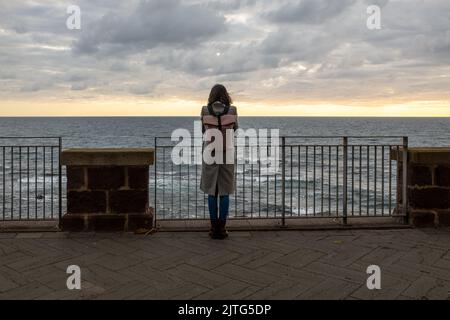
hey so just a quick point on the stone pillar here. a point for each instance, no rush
(428, 185)
(107, 189)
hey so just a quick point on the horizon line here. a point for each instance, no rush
(240, 116)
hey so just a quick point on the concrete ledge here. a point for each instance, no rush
(274, 224)
(29, 226)
(423, 155)
(106, 222)
(108, 157)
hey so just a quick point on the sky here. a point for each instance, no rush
(277, 58)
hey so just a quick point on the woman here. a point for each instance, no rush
(218, 178)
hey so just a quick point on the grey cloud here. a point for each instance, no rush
(20, 28)
(380, 3)
(152, 23)
(230, 5)
(32, 17)
(73, 77)
(309, 11)
(78, 86)
(140, 89)
(288, 48)
(7, 75)
(119, 66)
(204, 61)
(33, 87)
(305, 44)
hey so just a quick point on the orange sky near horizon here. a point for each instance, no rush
(178, 107)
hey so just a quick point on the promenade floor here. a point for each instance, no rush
(415, 264)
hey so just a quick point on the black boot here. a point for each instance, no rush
(223, 233)
(214, 230)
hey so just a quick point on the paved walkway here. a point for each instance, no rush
(415, 264)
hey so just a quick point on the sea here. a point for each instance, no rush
(29, 176)
(140, 131)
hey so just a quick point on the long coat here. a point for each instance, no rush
(218, 179)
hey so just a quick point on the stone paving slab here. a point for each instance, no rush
(327, 264)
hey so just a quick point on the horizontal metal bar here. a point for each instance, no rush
(340, 137)
(49, 219)
(30, 137)
(29, 146)
(262, 218)
(339, 145)
(314, 137)
(298, 145)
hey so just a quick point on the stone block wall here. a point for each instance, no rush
(119, 189)
(428, 181)
(107, 189)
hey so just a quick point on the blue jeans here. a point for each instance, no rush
(224, 205)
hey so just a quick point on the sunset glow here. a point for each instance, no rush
(129, 107)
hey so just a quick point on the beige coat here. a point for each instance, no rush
(218, 179)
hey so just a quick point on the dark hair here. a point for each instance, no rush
(219, 93)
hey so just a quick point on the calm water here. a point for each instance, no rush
(32, 192)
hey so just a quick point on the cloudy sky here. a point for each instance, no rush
(288, 57)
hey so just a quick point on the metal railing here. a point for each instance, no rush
(318, 177)
(30, 178)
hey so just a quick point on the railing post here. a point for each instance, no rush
(155, 184)
(344, 179)
(405, 180)
(59, 181)
(283, 181)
